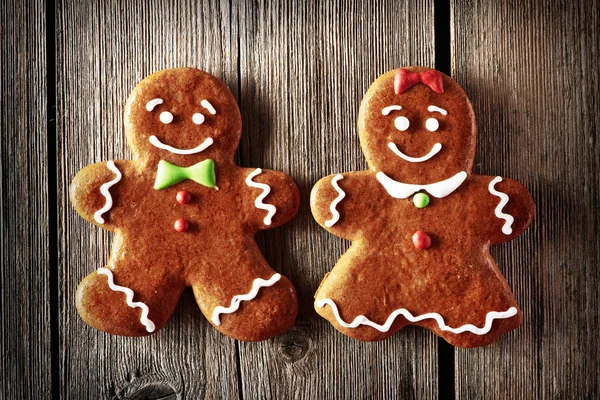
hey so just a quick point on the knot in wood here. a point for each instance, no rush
(149, 387)
(293, 345)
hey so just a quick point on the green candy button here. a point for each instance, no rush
(421, 200)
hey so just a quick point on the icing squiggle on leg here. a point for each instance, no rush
(362, 320)
(258, 203)
(506, 228)
(235, 302)
(104, 190)
(129, 297)
(334, 212)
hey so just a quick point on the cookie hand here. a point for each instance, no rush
(332, 199)
(512, 209)
(94, 190)
(274, 194)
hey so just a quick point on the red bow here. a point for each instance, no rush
(405, 79)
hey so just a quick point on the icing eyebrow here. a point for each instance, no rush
(153, 103)
(208, 106)
(389, 109)
(437, 109)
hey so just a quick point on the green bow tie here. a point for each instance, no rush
(169, 174)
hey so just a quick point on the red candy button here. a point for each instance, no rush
(181, 225)
(421, 240)
(183, 197)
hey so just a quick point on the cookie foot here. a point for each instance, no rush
(116, 304)
(249, 318)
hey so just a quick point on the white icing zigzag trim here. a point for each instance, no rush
(129, 295)
(506, 228)
(104, 190)
(258, 203)
(235, 302)
(334, 212)
(362, 320)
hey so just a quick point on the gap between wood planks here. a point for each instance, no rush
(52, 196)
(442, 27)
(441, 18)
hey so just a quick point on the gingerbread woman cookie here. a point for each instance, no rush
(421, 224)
(184, 214)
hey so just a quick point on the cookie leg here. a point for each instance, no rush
(127, 301)
(243, 297)
(468, 339)
(354, 298)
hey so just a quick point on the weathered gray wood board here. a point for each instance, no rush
(532, 73)
(24, 274)
(103, 50)
(303, 71)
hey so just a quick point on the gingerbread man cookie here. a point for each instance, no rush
(421, 224)
(184, 214)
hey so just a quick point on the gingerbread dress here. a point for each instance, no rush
(421, 223)
(184, 215)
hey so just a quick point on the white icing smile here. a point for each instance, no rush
(203, 146)
(434, 150)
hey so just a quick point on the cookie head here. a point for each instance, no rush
(417, 126)
(183, 115)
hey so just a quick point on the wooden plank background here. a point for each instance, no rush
(299, 70)
(532, 72)
(24, 277)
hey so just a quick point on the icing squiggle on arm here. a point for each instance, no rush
(258, 203)
(129, 298)
(362, 320)
(104, 190)
(341, 194)
(507, 227)
(235, 302)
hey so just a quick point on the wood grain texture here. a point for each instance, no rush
(24, 275)
(103, 50)
(299, 70)
(304, 67)
(532, 73)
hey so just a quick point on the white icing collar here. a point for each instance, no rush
(440, 189)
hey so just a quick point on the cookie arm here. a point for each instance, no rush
(272, 198)
(335, 205)
(511, 209)
(94, 191)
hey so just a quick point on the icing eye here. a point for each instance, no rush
(166, 117)
(401, 123)
(198, 118)
(432, 124)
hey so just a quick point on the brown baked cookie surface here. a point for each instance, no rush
(421, 224)
(184, 214)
